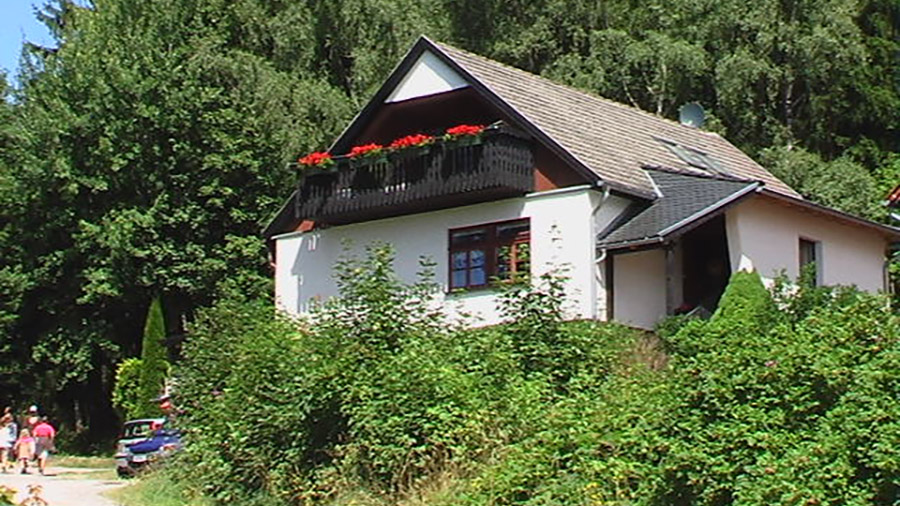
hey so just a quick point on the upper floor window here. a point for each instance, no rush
(809, 259)
(482, 254)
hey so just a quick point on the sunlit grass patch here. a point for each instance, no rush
(83, 462)
(156, 489)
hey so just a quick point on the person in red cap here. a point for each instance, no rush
(44, 436)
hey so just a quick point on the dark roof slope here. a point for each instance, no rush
(685, 199)
(613, 140)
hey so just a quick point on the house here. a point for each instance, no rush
(646, 215)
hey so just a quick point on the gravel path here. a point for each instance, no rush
(63, 487)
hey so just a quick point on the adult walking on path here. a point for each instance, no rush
(7, 440)
(44, 436)
(32, 418)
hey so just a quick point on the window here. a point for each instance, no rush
(694, 157)
(497, 251)
(809, 259)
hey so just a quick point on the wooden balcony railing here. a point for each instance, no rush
(441, 175)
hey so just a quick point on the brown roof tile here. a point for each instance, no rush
(613, 140)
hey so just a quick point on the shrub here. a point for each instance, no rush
(764, 393)
(126, 395)
(534, 316)
(759, 405)
(786, 399)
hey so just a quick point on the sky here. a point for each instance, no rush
(18, 24)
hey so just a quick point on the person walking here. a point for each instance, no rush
(7, 440)
(44, 437)
(13, 434)
(24, 449)
(32, 418)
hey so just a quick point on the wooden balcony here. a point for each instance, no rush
(500, 165)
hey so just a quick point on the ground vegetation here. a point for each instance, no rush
(785, 395)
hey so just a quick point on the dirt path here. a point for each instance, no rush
(65, 486)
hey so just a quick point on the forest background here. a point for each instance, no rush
(142, 153)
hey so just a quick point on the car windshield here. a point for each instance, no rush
(136, 430)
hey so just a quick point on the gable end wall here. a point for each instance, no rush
(764, 235)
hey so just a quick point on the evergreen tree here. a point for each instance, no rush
(154, 365)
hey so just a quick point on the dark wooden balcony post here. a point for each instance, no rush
(670, 278)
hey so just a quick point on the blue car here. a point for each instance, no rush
(135, 456)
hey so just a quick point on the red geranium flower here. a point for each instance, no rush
(365, 150)
(317, 159)
(412, 140)
(460, 130)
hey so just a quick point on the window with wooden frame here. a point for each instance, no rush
(491, 252)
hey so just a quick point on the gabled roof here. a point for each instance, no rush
(613, 140)
(606, 139)
(603, 140)
(686, 200)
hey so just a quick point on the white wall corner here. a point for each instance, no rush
(738, 257)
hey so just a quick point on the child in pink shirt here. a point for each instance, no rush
(24, 449)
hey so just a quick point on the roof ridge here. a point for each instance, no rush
(587, 93)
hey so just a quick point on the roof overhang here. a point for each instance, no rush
(889, 232)
(684, 226)
(672, 232)
(687, 201)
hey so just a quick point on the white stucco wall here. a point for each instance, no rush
(610, 208)
(428, 76)
(764, 235)
(562, 235)
(639, 288)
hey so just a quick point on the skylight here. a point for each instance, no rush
(694, 158)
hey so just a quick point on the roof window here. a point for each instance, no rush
(694, 158)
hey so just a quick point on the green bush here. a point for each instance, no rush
(791, 397)
(126, 395)
(374, 392)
